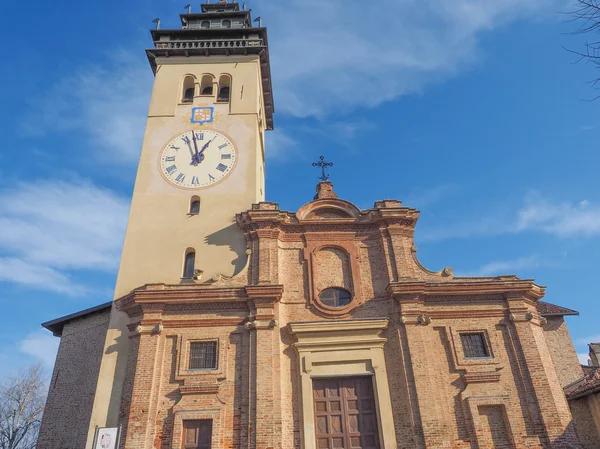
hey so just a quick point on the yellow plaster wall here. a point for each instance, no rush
(159, 230)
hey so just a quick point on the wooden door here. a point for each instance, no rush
(345, 416)
(197, 434)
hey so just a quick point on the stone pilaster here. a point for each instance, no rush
(265, 388)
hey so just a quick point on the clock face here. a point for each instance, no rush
(197, 159)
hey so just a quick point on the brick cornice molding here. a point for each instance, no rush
(203, 388)
(510, 288)
(269, 293)
(481, 377)
(153, 297)
(268, 215)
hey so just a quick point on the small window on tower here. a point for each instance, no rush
(188, 95)
(474, 345)
(195, 206)
(188, 267)
(205, 24)
(206, 87)
(226, 24)
(224, 88)
(189, 89)
(203, 355)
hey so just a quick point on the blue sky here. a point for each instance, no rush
(470, 111)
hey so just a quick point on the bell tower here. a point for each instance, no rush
(202, 158)
(202, 161)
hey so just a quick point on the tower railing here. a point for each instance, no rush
(212, 43)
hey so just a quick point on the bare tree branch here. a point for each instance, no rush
(587, 13)
(22, 399)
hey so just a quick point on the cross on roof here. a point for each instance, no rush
(323, 165)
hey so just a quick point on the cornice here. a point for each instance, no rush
(154, 294)
(338, 325)
(270, 292)
(510, 288)
(270, 218)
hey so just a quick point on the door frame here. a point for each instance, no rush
(347, 348)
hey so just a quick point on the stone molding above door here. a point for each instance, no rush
(343, 348)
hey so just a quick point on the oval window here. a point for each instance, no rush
(335, 297)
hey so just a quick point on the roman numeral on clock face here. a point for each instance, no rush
(170, 159)
(226, 156)
(222, 146)
(186, 139)
(171, 169)
(195, 180)
(222, 167)
(180, 177)
(211, 178)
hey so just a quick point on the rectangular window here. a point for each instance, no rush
(197, 434)
(203, 355)
(474, 345)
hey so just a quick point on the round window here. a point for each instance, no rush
(335, 297)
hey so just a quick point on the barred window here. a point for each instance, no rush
(203, 355)
(474, 345)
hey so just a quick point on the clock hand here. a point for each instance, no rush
(205, 147)
(195, 157)
(186, 140)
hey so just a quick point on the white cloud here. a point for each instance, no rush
(505, 267)
(48, 228)
(562, 219)
(340, 55)
(42, 346)
(37, 276)
(107, 102)
(280, 144)
(538, 214)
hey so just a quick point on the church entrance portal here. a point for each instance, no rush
(345, 416)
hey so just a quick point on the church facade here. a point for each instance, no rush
(239, 325)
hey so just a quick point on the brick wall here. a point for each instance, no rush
(440, 398)
(73, 384)
(586, 413)
(562, 350)
(496, 434)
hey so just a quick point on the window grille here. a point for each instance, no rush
(474, 345)
(203, 355)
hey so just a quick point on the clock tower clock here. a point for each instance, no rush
(202, 161)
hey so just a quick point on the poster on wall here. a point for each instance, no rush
(107, 438)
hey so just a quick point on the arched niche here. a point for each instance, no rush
(333, 266)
